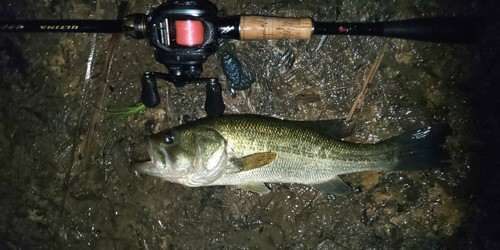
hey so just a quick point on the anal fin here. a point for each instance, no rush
(333, 186)
(256, 187)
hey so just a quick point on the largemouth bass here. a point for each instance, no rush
(250, 150)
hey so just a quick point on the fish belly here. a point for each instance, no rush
(288, 168)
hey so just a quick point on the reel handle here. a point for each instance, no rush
(214, 104)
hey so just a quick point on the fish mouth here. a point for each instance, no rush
(158, 155)
(158, 163)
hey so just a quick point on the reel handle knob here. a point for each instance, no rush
(149, 94)
(214, 104)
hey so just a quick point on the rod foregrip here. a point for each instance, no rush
(266, 28)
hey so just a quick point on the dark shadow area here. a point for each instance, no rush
(482, 89)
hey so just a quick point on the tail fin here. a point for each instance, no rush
(422, 148)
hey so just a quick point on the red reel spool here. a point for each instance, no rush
(189, 32)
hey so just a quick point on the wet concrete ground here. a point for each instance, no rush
(66, 180)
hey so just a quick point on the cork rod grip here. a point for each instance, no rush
(265, 28)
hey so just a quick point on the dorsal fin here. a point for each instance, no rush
(335, 128)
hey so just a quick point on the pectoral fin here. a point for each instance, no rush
(256, 187)
(256, 160)
(333, 186)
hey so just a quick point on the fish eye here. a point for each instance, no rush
(169, 138)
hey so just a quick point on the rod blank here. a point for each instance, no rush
(73, 26)
(446, 30)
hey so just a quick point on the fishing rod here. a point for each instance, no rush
(184, 33)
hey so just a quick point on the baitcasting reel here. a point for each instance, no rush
(183, 35)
